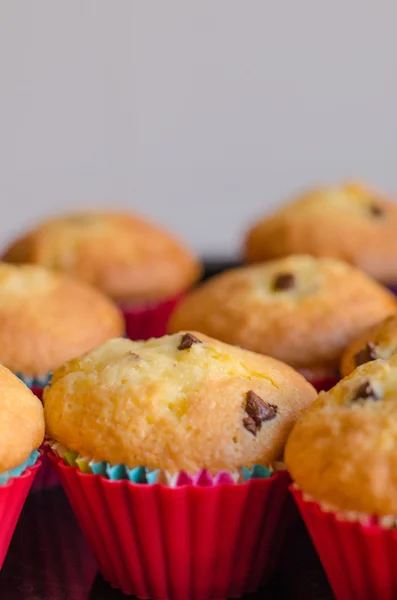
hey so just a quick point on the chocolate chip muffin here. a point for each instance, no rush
(379, 341)
(181, 402)
(343, 450)
(342, 457)
(350, 222)
(301, 310)
(46, 318)
(201, 420)
(124, 256)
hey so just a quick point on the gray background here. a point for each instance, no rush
(200, 114)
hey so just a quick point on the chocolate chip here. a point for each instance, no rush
(187, 341)
(258, 412)
(366, 354)
(365, 392)
(250, 424)
(284, 281)
(376, 210)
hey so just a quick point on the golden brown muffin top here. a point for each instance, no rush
(301, 310)
(350, 222)
(180, 402)
(122, 255)
(379, 341)
(47, 318)
(343, 452)
(21, 421)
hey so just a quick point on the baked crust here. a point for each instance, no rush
(175, 405)
(307, 325)
(351, 222)
(46, 318)
(343, 450)
(379, 341)
(124, 256)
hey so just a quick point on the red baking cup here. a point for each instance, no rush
(38, 391)
(360, 560)
(325, 384)
(12, 498)
(47, 477)
(144, 321)
(202, 543)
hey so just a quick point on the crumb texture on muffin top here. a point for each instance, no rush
(343, 450)
(47, 318)
(181, 402)
(379, 341)
(299, 309)
(126, 257)
(350, 222)
(21, 421)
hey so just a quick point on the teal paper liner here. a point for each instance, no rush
(143, 475)
(35, 382)
(17, 471)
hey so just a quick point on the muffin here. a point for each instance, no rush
(379, 341)
(301, 310)
(342, 456)
(46, 319)
(205, 422)
(21, 432)
(351, 222)
(134, 262)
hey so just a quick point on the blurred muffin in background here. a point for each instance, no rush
(301, 310)
(351, 222)
(47, 318)
(379, 341)
(134, 262)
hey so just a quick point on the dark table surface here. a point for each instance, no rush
(49, 560)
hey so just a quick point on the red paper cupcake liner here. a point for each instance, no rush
(12, 498)
(47, 476)
(359, 560)
(202, 543)
(144, 321)
(325, 384)
(38, 391)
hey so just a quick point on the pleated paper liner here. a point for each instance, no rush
(47, 477)
(360, 559)
(147, 320)
(12, 498)
(203, 542)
